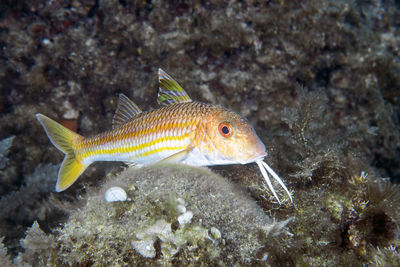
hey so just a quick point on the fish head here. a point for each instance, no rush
(231, 139)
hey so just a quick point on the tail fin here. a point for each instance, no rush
(62, 138)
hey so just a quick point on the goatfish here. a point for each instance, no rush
(181, 131)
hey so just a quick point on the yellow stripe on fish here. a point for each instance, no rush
(181, 130)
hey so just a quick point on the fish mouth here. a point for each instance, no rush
(255, 159)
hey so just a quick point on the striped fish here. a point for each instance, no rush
(181, 131)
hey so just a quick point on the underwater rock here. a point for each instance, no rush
(5, 259)
(152, 226)
(5, 145)
(185, 218)
(24, 201)
(145, 248)
(181, 208)
(39, 248)
(162, 230)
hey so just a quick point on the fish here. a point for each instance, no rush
(180, 131)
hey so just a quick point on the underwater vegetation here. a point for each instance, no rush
(149, 227)
(318, 80)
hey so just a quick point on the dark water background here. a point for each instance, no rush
(319, 80)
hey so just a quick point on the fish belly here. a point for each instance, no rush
(141, 151)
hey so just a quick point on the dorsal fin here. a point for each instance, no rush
(169, 91)
(126, 109)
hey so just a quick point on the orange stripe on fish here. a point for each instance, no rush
(181, 130)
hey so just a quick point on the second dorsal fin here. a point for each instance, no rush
(126, 109)
(169, 91)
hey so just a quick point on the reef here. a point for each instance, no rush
(319, 81)
(170, 217)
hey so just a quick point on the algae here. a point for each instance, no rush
(318, 80)
(227, 226)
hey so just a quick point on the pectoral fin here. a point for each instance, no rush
(178, 157)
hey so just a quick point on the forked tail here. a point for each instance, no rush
(63, 138)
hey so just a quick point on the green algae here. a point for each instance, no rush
(227, 226)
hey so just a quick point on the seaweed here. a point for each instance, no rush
(317, 79)
(225, 226)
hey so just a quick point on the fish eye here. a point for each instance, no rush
(225, 129)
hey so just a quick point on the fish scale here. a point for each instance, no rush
(157, 133)
(181, 131)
